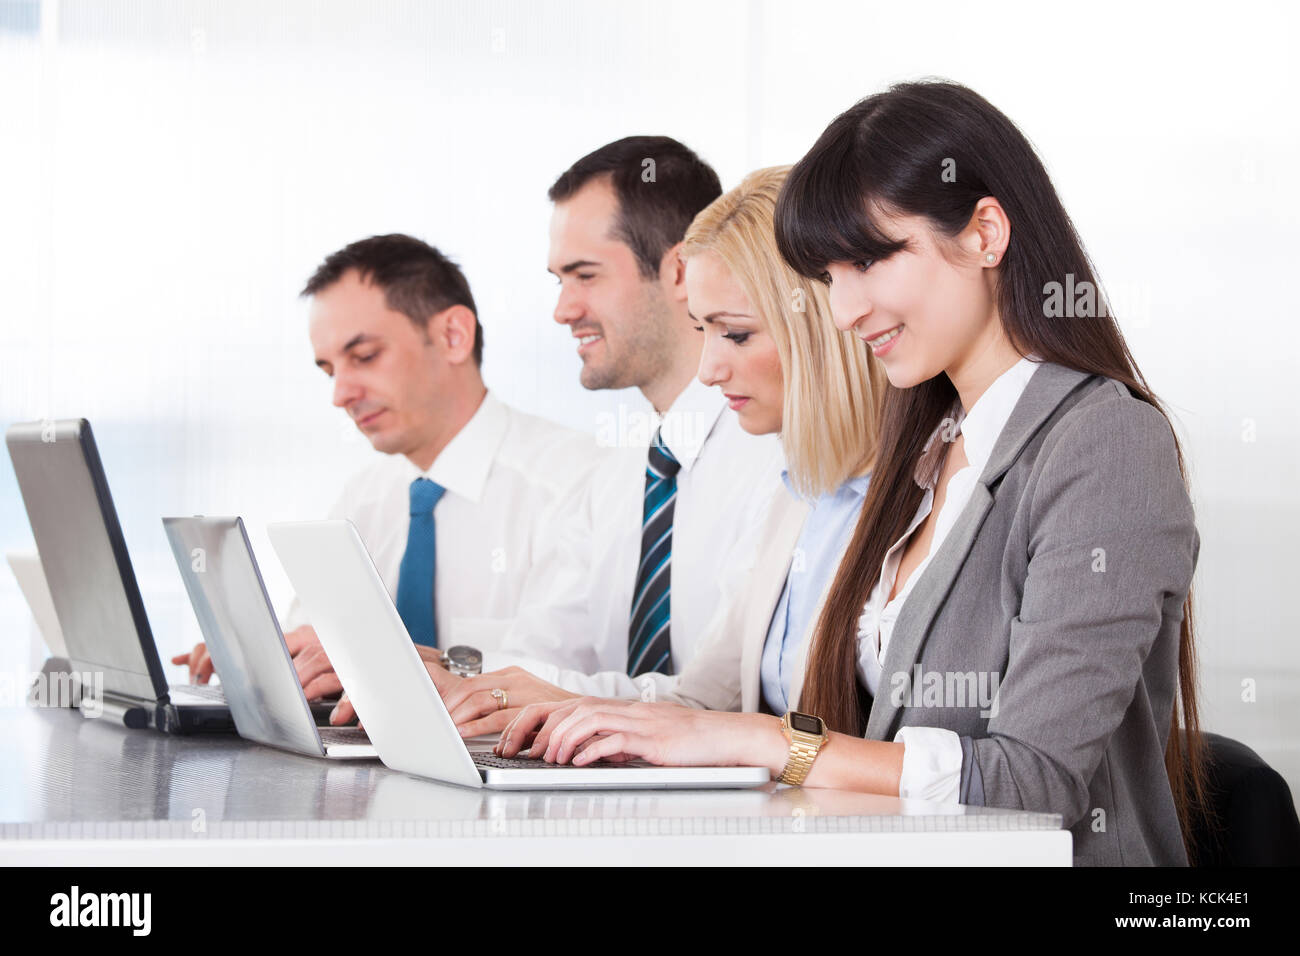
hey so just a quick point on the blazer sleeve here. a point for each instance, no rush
(1112, 548)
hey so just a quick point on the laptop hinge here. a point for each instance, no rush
(134, 714)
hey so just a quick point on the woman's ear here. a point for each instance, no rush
(988, 232)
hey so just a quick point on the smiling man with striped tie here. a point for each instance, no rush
(635, 575)
(462, 474)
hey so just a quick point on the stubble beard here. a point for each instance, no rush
(645, 347)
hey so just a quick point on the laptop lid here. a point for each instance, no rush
(84, 556)
(371, 651)
(31, 581)
(243, 635)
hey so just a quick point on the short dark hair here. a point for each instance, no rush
(417, 279)
(653, 211)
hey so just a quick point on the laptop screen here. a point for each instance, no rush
(243, 636)
(84, 556)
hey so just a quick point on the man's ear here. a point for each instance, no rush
(452, 330)
(672, 273)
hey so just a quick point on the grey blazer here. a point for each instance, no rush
(1063, 579)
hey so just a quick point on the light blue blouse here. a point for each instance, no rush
(825, 534)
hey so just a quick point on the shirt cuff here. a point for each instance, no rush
(972, 781)
(647, 687)
(932, 761)
(495, 660)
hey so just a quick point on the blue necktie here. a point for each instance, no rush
(649, 647)
(415, 601)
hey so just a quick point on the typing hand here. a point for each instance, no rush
(301, 638)
(315, 672)
(199, 661)
(343, 713)
(473, 706)
(581, 732)
(532, 725)
(431, 655)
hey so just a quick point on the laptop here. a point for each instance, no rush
(395, 698)
(243, 635)
(93, 586)
(26, 567)
(57, 684)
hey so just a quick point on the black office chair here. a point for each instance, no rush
(1255, 818)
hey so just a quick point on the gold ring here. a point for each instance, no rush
(503, 700)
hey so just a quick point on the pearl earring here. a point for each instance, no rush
(990, 258)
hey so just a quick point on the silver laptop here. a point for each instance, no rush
(243, 635)
(93, 586)
(396, 699)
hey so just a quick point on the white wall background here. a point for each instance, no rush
(171, 171)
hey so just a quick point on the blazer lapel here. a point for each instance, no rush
(1049, 386)
(780, 537)
(801, 659)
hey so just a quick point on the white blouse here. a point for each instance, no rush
(933, 756)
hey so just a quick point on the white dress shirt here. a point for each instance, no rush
(503, 471)
(932, 758)
(573, 629)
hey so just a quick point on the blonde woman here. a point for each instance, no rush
(770, 347)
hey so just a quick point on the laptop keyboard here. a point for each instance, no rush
(206, 691)
(342, 735)
(493, 762)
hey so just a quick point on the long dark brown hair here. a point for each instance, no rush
(934, 149)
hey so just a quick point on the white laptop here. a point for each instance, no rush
(243, 635)
(31, 581)
(395, 698)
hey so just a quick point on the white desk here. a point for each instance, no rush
(78, 792)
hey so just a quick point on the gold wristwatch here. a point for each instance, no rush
(807, 734)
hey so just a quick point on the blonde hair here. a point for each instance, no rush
(832, 386)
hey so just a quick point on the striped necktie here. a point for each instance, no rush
(648, 645)
(415, 602)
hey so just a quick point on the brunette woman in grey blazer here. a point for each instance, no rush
(1011, 623)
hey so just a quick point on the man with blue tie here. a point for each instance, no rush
(455, 511)
(649, 646)
(635, 578)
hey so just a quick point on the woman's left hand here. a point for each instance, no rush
(474, 709)
(662, 734)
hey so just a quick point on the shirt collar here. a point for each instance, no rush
(463, 466)
(981, 425)
(985, 421)
(856, 486)
(690, 420)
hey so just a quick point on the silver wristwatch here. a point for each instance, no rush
(463, 660)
